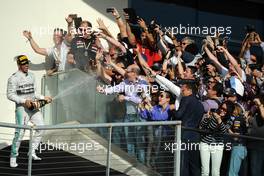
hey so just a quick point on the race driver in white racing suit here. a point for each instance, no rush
(21, 89)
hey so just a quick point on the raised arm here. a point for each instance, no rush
(34, 45)
(130, 35)
(70, 33)
(120, 23)
(214, 59)
(150, 38)
(232, 60)
(114, 42)
(103, 27)
(100, 70)
(142, 62)
(179, 66)
(120, 70)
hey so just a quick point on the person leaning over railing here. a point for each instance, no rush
(160, 112)
(130, 88)
(212, 145)
(237, 125)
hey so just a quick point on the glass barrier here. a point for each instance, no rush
(76, 99)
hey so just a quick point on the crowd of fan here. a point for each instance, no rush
(161, 78)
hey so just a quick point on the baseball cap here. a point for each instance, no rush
(22, 59)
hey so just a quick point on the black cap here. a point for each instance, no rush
(22, 59)
(230, 92)
(156, 67)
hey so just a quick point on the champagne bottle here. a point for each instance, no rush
(38, 103)
(42, 103)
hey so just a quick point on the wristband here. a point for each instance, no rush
(118, 17)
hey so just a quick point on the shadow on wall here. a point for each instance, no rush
(37, 67)
(48, 64)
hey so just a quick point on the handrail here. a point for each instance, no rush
(100, 125)
(107, 125)
(224, 134)
(11, 125)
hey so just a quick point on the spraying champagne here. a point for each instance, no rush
(37, 104)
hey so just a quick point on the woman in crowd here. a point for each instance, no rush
(212, 143)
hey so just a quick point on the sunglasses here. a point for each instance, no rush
(162, 96)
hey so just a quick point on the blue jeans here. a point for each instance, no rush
(135, 138)
(238, 153)
(118, 135)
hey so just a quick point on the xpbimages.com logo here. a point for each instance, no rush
(198, 30)
(79, 147)
(213, 147)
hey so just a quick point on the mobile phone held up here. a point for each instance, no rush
(109, 10)
(133, 18)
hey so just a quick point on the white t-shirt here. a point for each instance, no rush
(55, 54)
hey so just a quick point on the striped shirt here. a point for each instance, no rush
(211, 125)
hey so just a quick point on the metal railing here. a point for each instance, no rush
(110, 147)
(113, 155)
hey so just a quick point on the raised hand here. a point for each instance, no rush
(115, 13)
(221, 48)
(48, 99)
(27, 34)
(69, 19)
(142, 23)
(101, 24)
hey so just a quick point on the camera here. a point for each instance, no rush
(133, 18)
(153, 24)
(214, 110)
(109, 10)
(250, 28)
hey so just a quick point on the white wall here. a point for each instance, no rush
(16, 16)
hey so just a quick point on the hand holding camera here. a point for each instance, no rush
(142, 23)
(70, 18)
(113, 11)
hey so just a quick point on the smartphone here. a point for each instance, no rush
(109, 10)
(133, 18)
(73, 16)
(77, 22)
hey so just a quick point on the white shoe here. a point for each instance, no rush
(35, 157)
(13, 162)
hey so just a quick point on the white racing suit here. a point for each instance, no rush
(20, 87)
